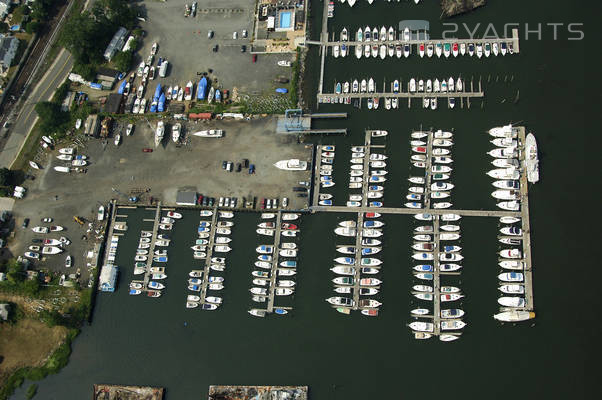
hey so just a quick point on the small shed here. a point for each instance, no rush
(107, 75)
(108, 278)
(186, 198)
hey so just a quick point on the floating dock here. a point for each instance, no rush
(122, 392)
(257, 392)
(151, 250)
(413, 211)
(207, 271)
(275, 259)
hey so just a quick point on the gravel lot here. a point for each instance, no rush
(184, 42)
(196, 166)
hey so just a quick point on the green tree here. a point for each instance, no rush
(31, 287)
(5, 176)
(33, 26)
(3, 27)
(123, 60)
(87, 71)
(51, 116)
(15, 272)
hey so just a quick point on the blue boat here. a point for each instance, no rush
(375, 204)
(368, 250)
(282, 90)
(161, 106)
(218, 95)
(288, 263)
(121, 87)
(424, 267)
(369, 224)
(373, 188)
(134, 291)
(280, 311)
(196, 288)
(155, 285)
(153, 107)
(327, 202)
(203, 229)
(195, 281)
(205, 223)
(202, 89)
(160, 259)
(79, 157)
(448, 248)
(337, 89)
(428, 277)
(264, 257)
(157, 92)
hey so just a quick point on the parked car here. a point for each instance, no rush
(215, 48)
(285, 202)
(211, 201)
(227, 202)
(233, 202)
(199, 199)
(147, 150)
(252, 169)
(221, 202)
(275, 203)
(245, 163)
(262, 202)
(205, 202)
(25, 223)
(224, 164)
(243, 48)
(210, 34)
(235, 35)
(229, 166)
(254, 58)
(238, 167)
(245, 33)
(268, 203)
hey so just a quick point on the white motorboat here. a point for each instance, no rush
(420, 326)
(508, 301)
(159, 132)
(448, 325)
(511, 253)
(291, 165)
(503, 152)
(514, 316)
(531, 158)
(511, 277)
(509, 220)
(507, 184)
(452, 313)
(512, 289)
(506, 194)
(509, 205)
(505, 162)
(504, 173)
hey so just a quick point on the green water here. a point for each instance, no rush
(143, 341)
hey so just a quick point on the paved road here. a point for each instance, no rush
(27, 118)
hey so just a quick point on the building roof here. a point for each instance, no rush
(186, 198)
(107, 278)
(6, 42)
(116, 43)
(107, 72)
(113, 103)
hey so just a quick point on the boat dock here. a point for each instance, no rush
(207, 271)
(335, 131)
(526, 228)
(436, 278)
(327, 115)
(151, 250)
(413, 211)
(514, 39)
(275, 260)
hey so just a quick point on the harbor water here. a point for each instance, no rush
(137, 340)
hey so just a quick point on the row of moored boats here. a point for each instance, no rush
(326, 154)
(356, 267)
(433, 184)
(213, 238)
(275, 267)
(438, 253)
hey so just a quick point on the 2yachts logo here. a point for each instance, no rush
(555, 30)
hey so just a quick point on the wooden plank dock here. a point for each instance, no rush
(402, 94)
(151, 250)
(275, 260)
(413, 211)
(316, 178)
(206, 272)
(436, 279)
(325, 42)
(526, 228)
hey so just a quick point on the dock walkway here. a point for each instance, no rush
(275, 260)
(413, 211)
(526, 227)
(151, 250)
(207, 271)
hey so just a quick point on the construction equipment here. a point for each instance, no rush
(78, 220)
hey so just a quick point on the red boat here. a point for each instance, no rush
(153, 293)
(289, 226)
(372, 215)
(371, 312)
(419, 149)
(147, 150)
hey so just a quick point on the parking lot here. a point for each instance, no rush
(184, 43)
(118, 172)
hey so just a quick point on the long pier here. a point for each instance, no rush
(413, 211)
(400, 95)
(436, 279)
(428, 171)
(207, 271)
(275, 260)
(526, 228)
(316, 183)
(412, 42)
(151, 250)
(358, 261)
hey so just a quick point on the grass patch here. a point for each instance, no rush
(296, 67)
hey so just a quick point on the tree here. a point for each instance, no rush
(123, 60)
(5, 177)
(14, 272)
(3, 27)
(33, 26)
(51, 115)
(87, 71)
(31, 287)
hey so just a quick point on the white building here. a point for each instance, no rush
(108, 278)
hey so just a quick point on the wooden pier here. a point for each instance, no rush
(275, 260)
(413, 211)
(207, 271)
(316, 177)
(335, 131)
(412, 42)
(151, 250)
(436, 278)
(526, 228)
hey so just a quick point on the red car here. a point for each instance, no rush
(262, 203)
(254, 57)
(147, 150)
